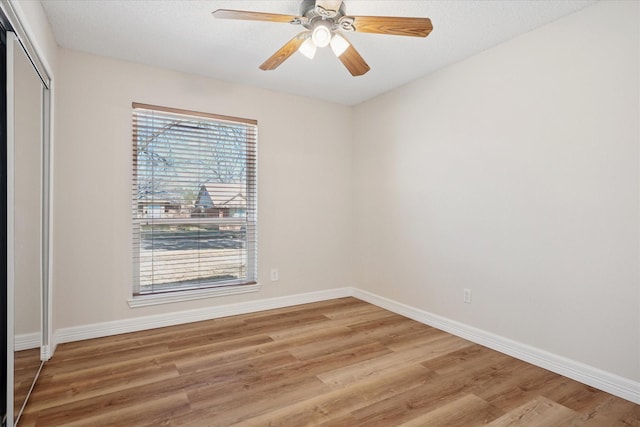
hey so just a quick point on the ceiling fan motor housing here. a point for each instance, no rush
(313, 13)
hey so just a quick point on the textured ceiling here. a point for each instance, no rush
(182, 35)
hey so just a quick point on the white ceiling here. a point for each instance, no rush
(182, 35)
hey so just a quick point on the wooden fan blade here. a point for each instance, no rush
(253, 16)
(351, 59)
(284, 52)
(399, 26)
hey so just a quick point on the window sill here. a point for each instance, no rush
(171, 297)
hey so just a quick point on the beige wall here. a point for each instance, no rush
(514, 173)
(303, 179)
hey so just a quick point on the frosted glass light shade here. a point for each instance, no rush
(339, 44)
(321, 35)
(308, 49)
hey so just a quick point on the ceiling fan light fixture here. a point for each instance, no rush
(321, 34)
(308, 48)
(324, 22)
(339, 44)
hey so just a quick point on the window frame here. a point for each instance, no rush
(204, 289)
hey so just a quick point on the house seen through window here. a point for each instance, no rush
(193, 200)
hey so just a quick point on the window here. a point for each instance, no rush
(193, 201)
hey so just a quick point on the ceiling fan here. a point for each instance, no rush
(325, 20)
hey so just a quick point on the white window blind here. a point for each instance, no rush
(193, 200)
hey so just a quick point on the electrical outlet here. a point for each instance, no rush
(467, 296)
(274, 274)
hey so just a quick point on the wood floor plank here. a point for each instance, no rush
(171, 335)
(577, 396)
(124, 356)
(339, 358)
(248, 381)
(339, 403)
(468, 411)
(225, 352)
(407, 405)
(359, 312)
(409, 338)
(343, 321)
(58, 393)
(435, 342)
(610, 412)
(148, 413)
(26, 364)
(515, 385)
(340, 363)
(538, 412)
(387, 326)
(377, 366)
(343, 421)
(533, 382)
(472, 357)
(287, 320)
(263, 397)
(112, 404)
(343, 339)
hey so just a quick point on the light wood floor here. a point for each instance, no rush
(334, 363)
(26, 365)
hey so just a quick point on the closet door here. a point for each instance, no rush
(3, 218)
(25, 221)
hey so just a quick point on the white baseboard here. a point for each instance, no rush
(603, 380)
(26, 341)
(97, 330)
(606, 381)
